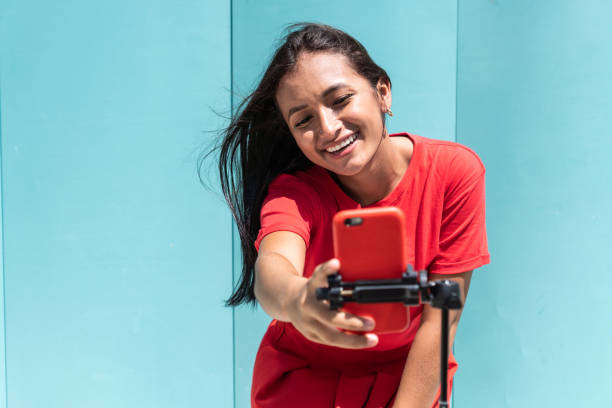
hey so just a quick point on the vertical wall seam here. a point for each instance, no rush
(456, 71)
(3, 249)
(456, 121)
(233, 235)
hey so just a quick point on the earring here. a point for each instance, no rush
(389, 112)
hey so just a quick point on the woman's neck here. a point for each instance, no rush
(382, 174)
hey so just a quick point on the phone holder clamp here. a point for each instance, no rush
(412, 289)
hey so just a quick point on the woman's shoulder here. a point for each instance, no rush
(455, 152)
(302, 195)
(310, 187)
(445, 155)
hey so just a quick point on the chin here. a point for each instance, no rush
(351, 167)
(347, 171)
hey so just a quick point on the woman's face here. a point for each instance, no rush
(333, 113)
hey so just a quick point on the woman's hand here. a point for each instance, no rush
(314, 319)
(287, 296)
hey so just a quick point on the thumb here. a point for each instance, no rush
(322, 271)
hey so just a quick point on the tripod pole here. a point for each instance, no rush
(444, 360)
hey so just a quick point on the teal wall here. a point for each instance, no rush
(533, 99)
(115, 260)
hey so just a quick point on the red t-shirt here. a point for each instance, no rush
(442, 195)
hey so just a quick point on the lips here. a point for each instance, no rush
(342, 144)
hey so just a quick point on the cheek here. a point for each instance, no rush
(305, 142)
(365, 111)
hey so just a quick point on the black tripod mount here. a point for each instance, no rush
(412, 289)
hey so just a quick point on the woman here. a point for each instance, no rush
(311, 140)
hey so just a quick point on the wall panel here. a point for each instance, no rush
(116, 260)
(533, 99)
(414, 41)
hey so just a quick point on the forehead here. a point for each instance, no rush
(316, 72)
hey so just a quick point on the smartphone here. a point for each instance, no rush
(370, 244)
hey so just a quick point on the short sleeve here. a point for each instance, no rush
(289, 206)
(462, 244)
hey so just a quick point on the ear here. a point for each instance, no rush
(384, 92)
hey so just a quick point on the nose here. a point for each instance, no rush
(329, 125)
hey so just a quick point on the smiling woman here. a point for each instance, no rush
(310, 141)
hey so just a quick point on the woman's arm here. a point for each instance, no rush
(278, 273)
(421, 376)
(286, 295)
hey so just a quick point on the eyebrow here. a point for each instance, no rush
(329, 90)
(333, 88)
(295, 109)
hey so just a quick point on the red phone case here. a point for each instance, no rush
(370, 244)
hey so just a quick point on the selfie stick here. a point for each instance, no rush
(412, 289)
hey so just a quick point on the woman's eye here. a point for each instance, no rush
(302, 122)
(342, 99)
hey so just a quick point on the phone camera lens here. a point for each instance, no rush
(351, 222)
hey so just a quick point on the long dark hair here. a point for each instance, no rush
(258, 146)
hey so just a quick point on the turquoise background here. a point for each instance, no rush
(116, 261)
(533, 99)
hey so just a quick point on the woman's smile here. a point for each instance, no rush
(343, 145)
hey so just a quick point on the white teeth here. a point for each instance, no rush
(342, 144)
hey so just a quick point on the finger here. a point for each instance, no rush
(349, 321)
(334, 337)
(322, 271)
